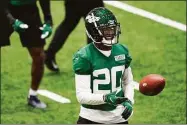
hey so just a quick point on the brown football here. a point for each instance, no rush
(152, 84)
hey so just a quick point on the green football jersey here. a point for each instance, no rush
(22, 2)
(106, 72)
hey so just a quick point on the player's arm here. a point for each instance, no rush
(9, 16)
(128, 87)
(6, 12)
(85, 96)
(18, 25)
(82, 69)
(46, 9)
(48, 22)
(127, 78)
(83, 91)
(128, 93)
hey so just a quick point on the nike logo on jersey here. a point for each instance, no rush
(119, 57)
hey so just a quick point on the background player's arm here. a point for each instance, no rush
(83, 91)
(45, 6)
(127, 81)
(9, 16)
(48, 22)
(18, 25)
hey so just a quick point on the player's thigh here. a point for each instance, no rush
(72, 15)
(31, 37)
(83, 7)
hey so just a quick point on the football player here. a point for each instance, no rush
(75, 10)
(23, 16)
(103, 75)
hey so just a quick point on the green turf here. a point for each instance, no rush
(175, 10)
(155, 48)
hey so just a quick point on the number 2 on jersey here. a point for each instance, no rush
(112, 80)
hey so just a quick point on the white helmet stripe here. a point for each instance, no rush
(96, 25)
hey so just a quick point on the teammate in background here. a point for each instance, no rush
(75, 10)
(4, 39)
(103, 75)
(23, 16)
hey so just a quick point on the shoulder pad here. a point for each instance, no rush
(81, 64)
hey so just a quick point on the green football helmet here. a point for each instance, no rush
(102, 26)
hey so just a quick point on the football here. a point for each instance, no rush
(152, 84)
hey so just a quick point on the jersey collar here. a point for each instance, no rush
(105, 53)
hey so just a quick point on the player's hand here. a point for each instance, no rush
(111, 98)
(19, 26)
(46, 30)
(128, 109)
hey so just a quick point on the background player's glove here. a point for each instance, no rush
(128, 109)
(46, 30)
(111, 98)
(19, 26)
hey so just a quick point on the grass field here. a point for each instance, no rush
(155, 48)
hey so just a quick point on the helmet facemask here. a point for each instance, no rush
(109, 34)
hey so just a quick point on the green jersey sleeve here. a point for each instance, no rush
(81, 65)
(128, 60)
(128, 57)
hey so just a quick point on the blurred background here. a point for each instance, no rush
(154, 47)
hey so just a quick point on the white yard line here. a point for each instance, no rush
(147, 14)
(54, 96)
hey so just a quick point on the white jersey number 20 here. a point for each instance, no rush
(110, 78)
